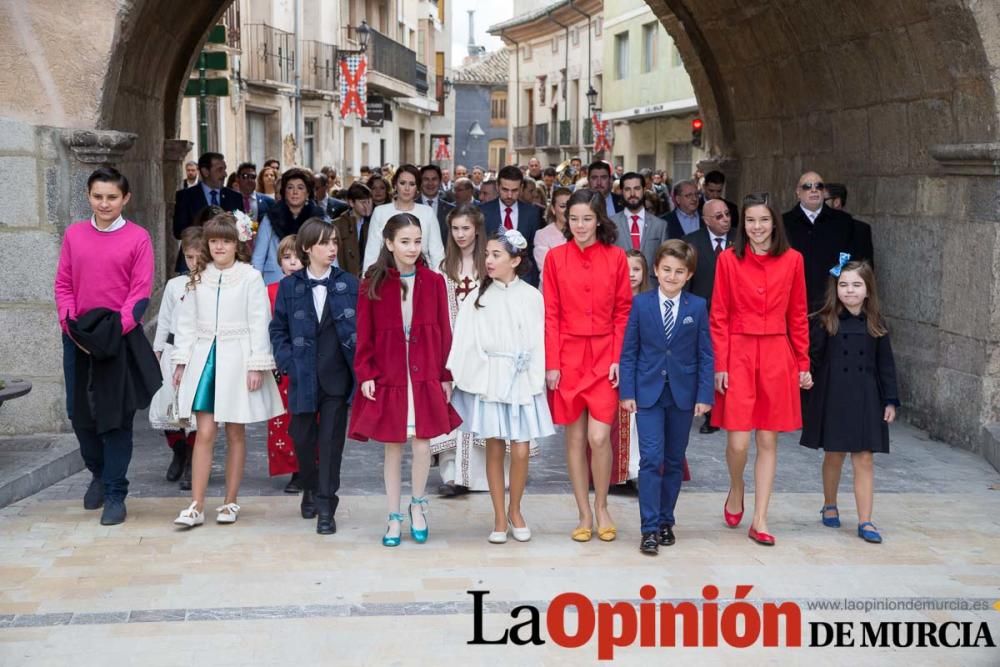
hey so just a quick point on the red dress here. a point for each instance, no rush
(760, 336)
(587, 302)
(381, 355)
(280, 448)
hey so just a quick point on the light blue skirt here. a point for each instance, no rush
(515, 423)
(204, 395)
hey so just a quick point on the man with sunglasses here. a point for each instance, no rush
(256, 204)
(820, 233)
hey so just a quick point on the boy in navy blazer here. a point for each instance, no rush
(667, 373)
(314, 335)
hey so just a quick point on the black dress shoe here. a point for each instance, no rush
(461, 490)
(649, 545)
(446, 490)
(706, 426)
(176, 467)
(326, 524)
(185, 483)
(308, 506)
(293, 484)
(94, 497)
(666, 536)
(114, 513)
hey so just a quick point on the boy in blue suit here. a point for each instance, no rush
(314, 335)
(667, 373)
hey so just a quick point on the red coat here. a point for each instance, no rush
(280, 448)
(381, 355)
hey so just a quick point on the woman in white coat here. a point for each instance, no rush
(404, 182)
(223, 355)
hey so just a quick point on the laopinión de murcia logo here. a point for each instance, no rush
(737, 623)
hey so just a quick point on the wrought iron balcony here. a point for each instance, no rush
(523, 136)
(588, 132)
(421, 79)
(319, 66)
(269, 54)
(567, 137)
(542, 134)
(389, 57)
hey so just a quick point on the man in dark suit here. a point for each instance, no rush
(684, 219)
(715, 184)
(189, 202)
(820, 233)
(599, 179)
(465, 192)
(836, 198)
(332, 206)
(255, 204)
(709, 241)
(510, 213)
(638, 229)
(431, 195)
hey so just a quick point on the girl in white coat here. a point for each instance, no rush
(497, 361)
(223, 354)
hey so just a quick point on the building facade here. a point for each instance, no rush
(284, 84)
(647, 94)
(555, 58)
(481, 111)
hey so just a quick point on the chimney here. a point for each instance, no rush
(472, 48)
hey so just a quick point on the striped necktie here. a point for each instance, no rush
(668, 318)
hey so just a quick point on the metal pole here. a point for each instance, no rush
(202, 104)
(299, 123)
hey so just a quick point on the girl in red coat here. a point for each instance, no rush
(760, 336)
(404, 336)
(587, 301)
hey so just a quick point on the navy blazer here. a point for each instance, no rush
(529, 221)
(674, 228)
(648, 360)
(293, 332)
(189, 203)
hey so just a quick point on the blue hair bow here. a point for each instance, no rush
(844, 259)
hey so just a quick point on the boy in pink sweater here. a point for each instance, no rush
(106, 262)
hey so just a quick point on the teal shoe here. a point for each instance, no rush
(869, 534)
(388, 541)
(830, 521)
(419, 536)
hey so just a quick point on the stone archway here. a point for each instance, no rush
(860, 92)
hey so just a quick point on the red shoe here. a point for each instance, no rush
(732, 520)
(765, 539)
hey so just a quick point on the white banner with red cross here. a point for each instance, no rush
(353, 85)
(603, 138)
(441, 149)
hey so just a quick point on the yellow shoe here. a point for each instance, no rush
(582, 534)
(607, 534)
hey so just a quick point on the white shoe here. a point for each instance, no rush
(520, 534)
(497, 537)
(228, 513)
(190, 517)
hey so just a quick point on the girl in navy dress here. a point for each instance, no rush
(854, 398)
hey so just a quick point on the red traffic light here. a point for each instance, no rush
(697, 124)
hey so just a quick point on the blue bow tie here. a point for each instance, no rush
(325, 282)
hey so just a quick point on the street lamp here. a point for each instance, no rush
(446, 86)
(364, 32)
(591, 98)
(476, 131)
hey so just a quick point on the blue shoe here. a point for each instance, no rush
(388, 541)
(830, 521)
(869, 535)
(419, 536)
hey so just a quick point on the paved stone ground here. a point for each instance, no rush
(269, 590)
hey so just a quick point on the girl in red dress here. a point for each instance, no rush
(760, 336)
(587, 302)
(280, 448)
(404, 336)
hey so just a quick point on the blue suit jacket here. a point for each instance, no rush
(529, 221)
(648, 360)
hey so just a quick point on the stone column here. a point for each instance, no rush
(92, 149)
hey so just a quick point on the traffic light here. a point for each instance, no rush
(696, 127)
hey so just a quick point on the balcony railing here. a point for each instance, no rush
(542, 134)
(523, 136)
(421, 79)
(389, 57)
(588, 132)
(566, 135)
(319, 65)
(269, 54)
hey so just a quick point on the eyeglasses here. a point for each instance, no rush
(805, 187)
(721, 216)
(248, 176)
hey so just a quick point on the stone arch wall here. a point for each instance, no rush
(898, 100)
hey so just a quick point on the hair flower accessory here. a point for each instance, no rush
(844, 259)
(244, 226)
(515, 239)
